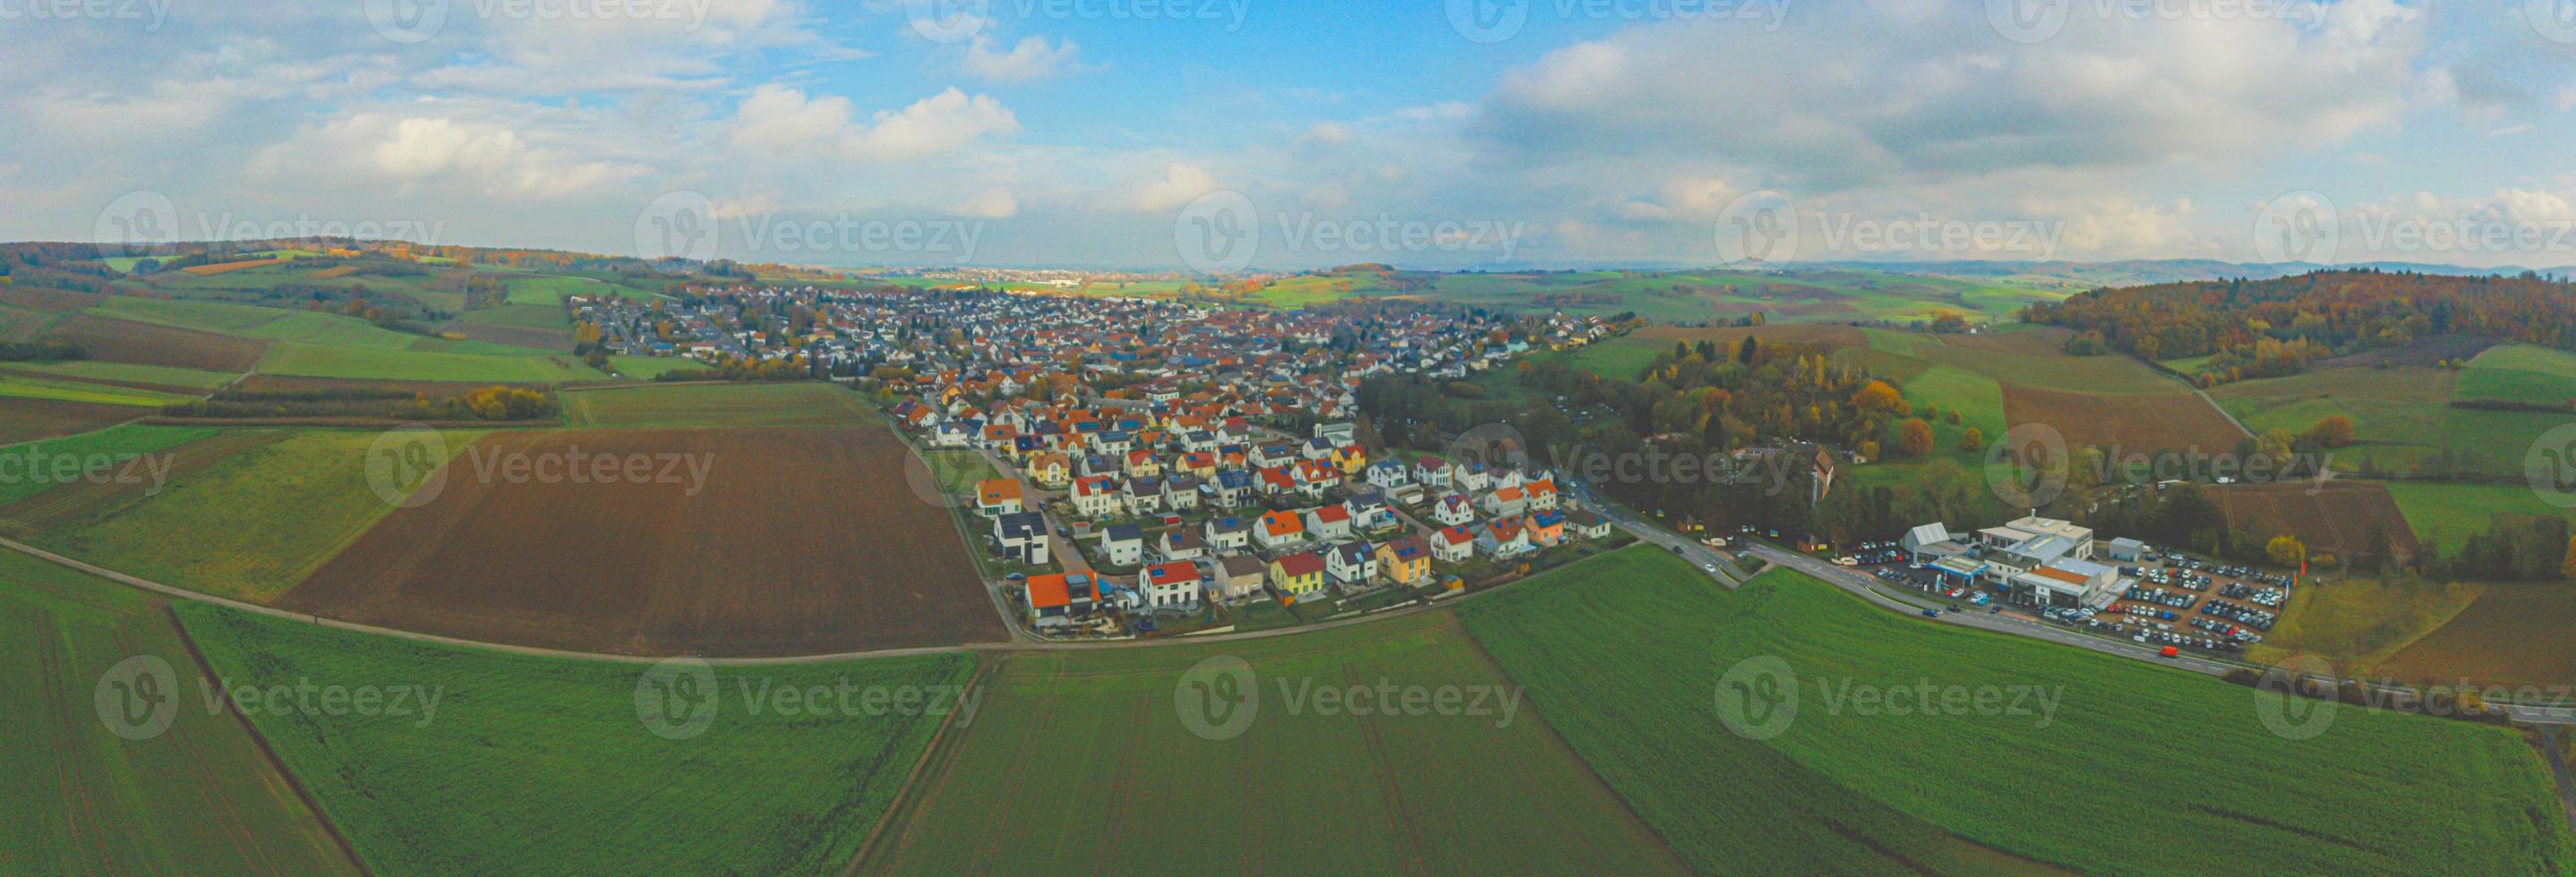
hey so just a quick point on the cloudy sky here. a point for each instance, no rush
(1098, 133)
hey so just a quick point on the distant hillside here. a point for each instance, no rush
(2258, 328)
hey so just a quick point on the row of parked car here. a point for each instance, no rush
(2232, 632)
(2265, 597)
(2245, 615)
(2233, 571)
(2159, 596)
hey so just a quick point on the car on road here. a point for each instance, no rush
(1711, 567)
(1931, 613)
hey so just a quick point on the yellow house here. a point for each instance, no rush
(1051, 469)
(1405, 561)
(1351, 459)
(1298, 575)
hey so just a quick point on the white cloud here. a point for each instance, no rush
(993, 203)
(781, 120)
(1181, 183)
(411, 153)
(1028, 60)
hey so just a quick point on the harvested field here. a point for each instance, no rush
(795, 542)
(2134, 422)
(229, 267)
(1838, 335)
(678, 406)
(2335, 518)
(2513, 635)
(26, 420)
(300, 384)
(111, 340)
(2421, 351)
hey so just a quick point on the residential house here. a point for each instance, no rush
(1585, 524)
(998, 496)
(1095, 495)
(1541, 494)
(1279, 530)
(1233, 488)
(1058, 599)
(1229, 535)
(1387, 475)
(1404, 561)
(1431, 472)
(1239, 578)
(1503, 538)
(1143, 496)
(1123, 545)
(1181, 544)
(1546, 528)
(1353, 565)
(1506, 502)
(1453, 544)
(1051, 469)
(1169, 587)
(1370, 513)
(1453, 511)
(1021, 537)
(1299, 575)
(1328, 522)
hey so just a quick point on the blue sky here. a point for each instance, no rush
(1548, 132)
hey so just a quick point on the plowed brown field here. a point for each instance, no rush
(799, 542)
(2335, 519)
(2134, 423)
(113, 340)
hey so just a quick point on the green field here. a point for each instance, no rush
(519, 316)
(198, 798)
(230, 319)
(125, 372)
(249, 527)
(2446, 514)
(550, 289)
(32, 468)
(20, 324)
(24, 387)
(2401, 415)
(646, 368)
(1081, 762)
(326, 361)
(542, 765)
(958, 471)
(685, 406)
(1624, 357)
(2520, 373)
(2171, 771)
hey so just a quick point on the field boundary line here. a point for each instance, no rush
(207, 670)
(903, 793)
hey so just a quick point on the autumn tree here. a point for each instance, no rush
(2567, 565)
(2285, 550)
(2332, 432)
(1973, 441)
(1914, 437)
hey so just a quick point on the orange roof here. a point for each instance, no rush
(995, 490)
(1058, 589)
(1282, 523)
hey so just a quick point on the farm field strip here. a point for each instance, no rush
(544, 765)
(198, 797)
(247, 527)
(2512, 634)
(131, 374)
(132, 480)
(296, 358)
(716, 405)
(64, 390)
(1088, 749)
(1642, 637)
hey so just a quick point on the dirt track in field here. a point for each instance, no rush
(797, 542)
